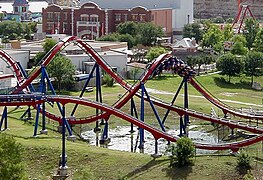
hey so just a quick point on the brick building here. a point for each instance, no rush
(90, 21)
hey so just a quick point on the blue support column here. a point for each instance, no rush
(97, 128)
(156, 147)
(63, 157)
(182, 127)
(43, 104)
(133, 112)
(141, 145)
(186, 116)
(37, 119)
(4, 119)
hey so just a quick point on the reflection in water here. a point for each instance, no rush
(122, 139)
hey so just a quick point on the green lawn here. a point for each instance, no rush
(41, 154)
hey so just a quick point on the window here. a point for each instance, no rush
(50, 25)
(125, 17)
(94, 18)
(65, 16)
(50, 15)
(23, 9)
(65, 27)
(142, 17)
(16, 9)
(57, 15)
(134, 17)
(84, 17)
(117, 17)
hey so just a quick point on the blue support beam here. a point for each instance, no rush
(84, 88)
(63, 157)
(31, 87)
(173, 100)
(186, 116)
(54, 93)
(141, 145)
(154, 110)
(4, 119)
(98, 87)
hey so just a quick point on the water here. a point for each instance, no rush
(121, 139)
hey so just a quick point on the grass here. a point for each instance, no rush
(41, 154)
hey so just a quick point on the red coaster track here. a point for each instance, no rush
(131, 92)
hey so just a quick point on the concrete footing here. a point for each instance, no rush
(156, 155)
(105, 141)
(62, 173)
(72, 138)
(44, 131)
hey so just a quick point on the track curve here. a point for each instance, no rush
(11, 100)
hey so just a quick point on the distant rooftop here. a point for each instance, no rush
(35, 6)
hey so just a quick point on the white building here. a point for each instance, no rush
(183, 10)
(19, 56)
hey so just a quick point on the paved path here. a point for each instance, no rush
(155, 91)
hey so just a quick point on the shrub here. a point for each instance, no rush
(182, 153)
(108, 80)
(11, 166)
(243, 160)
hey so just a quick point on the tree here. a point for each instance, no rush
(250, 31)
(49, 43)
(213, 37)
(228, 32)
(62, 69)
(238, 49)
(109, 37)
(258, 44)
(193, 31)
(16, 30)
(127, 38)
(229, 65)
(155, 52)
(129, 27)
(148, 33)
(182, 154)
(239, 45)
(254, 65)
(11, 166)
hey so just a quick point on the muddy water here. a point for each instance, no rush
(121, 139)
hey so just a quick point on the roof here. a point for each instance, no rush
(185, 43)
(35, 6)
(137, 65)
(20, 3)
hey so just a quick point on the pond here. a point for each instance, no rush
(121, 139)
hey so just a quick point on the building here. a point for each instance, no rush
(182, 10)
(22, 10)
(90, 21)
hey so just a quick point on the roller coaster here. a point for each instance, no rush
(24, 94)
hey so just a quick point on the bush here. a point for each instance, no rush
(11, 166)
(243, 160)
(182, 153)
(108, 80)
